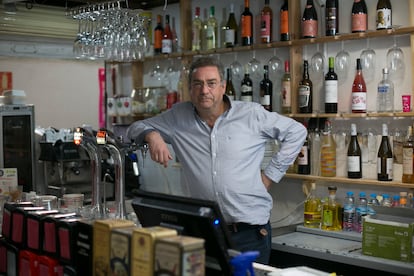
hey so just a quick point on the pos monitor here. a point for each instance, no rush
(190, 217)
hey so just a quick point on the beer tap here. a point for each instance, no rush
(87, 141)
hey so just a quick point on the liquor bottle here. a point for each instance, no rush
(359, 91)
(286, 92)
(331, 17)
(266, 90)
(354, 158)
(331, 88)
(231, 29)
(304, 157)
(328, 151)
(312, 209)
(309, 21)
(348, 216)
(331, 212)
(305, 91)
(266, 23)
(158, 31)
(384, 14)
(284, 22)
(212, 31)
(359, 16)
(408, 156)
(167, 37)
(246, 23)
(197, 26)
(385, 95)
(360, 212)
(230, 92)
(385, 159)
(246, 94)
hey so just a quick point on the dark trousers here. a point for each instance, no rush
(253, 238)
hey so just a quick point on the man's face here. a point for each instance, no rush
(207, 88)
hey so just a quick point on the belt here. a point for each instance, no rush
(242, 226)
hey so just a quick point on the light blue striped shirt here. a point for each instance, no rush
(223, 163)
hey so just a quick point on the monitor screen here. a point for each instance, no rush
(190, 217)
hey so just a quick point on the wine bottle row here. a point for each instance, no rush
(319, 154)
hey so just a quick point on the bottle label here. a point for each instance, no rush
(359, 22)
(265, 100)
(303, 158)
(230, 36)
(309, 28)
(167, 46)
(286, 101)
(359, 101)
(331, 91)
(265, 27)
(331, 20)
(246, 88)
(328, 160)
(408, 161)
(327, 217)
(384, 166)
(245, 98)
(304, 95)
(383, 88)
(384, 18)
(246, 23)
(284, 22)
(354, 163)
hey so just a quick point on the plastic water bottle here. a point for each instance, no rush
(386, 201)
(372, 201)
(349, 212)
(360, 212)
(396, 201)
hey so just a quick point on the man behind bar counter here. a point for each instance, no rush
(220, 144)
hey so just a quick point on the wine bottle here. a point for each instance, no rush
(359, 16)
(266, 90)
(197, 26)
(246, 25)
(212, 31)
(246, 88)
(231, 29)
(158, 31)
(167, 37)
(175, 40)
(331, 212)
(286, 92)
(408, 157)
(230, 92)
(284, 22)
(331, 17)
(328, 151)
(385, 159)
(385, 95)
(331, 88)
(354, 155)
(384, 14)
(304, 157)
(309, 21)
(305, 91)
(266, 23)
(359, 91)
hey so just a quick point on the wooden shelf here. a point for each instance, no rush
(351, 115)
(361, 181)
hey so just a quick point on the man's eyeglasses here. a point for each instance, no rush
(211, 84)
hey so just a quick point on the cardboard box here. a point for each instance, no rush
(389, 237)
(101, 243)
(121, 240)
(180, 256)
(143, 241)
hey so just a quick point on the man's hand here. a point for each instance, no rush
(266, 181)
(158, 148)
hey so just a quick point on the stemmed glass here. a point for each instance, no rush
(368, 63)
(342, 64)
(395, 62)
(236, 69)
(254, 66)
(317, 61)
(275, 63)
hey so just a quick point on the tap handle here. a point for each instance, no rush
(134, 158)
(144, 150)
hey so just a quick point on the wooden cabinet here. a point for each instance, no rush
(296, 48)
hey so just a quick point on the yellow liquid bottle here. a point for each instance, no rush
(328, 151)
(331, 212)
(312, 209)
